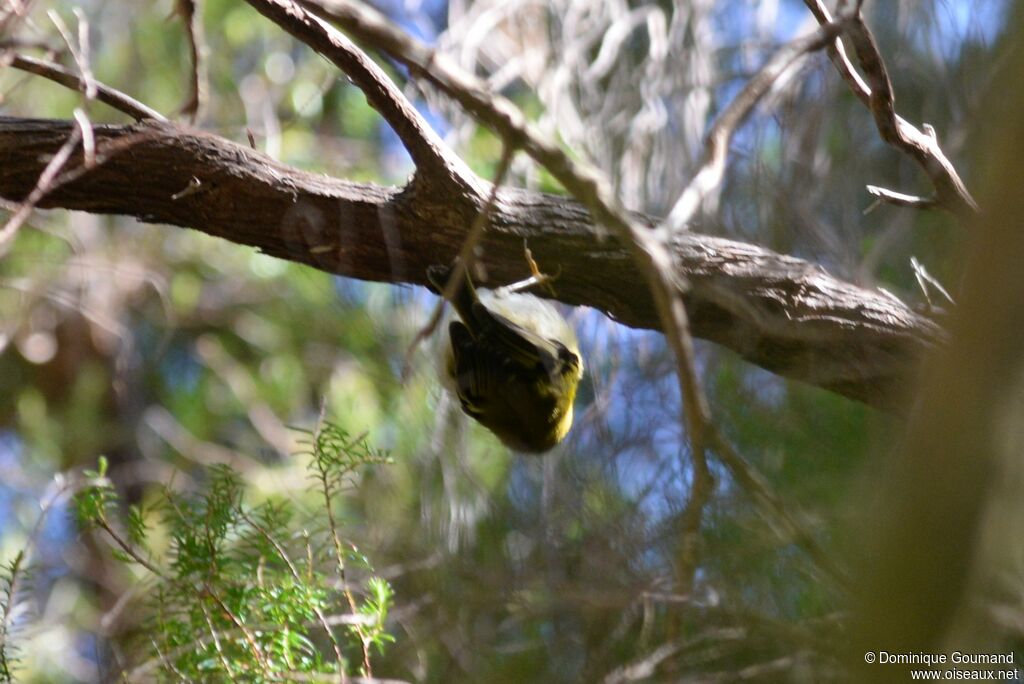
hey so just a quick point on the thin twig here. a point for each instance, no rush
(24, 43)
(65, 77)
(899, 199)
(237, 622)
(298, 578)
(191, 12)
(837, 53)
(18, 10)
(79, 52)
(339, 552)
(216, 642)
(701, 489)
(924, 279)
(708, 177)
(88, 139)
(130, 550)
(167, 663)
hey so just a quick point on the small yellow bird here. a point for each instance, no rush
(513, 362)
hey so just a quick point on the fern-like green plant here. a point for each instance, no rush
(249, 593)
(12, 575)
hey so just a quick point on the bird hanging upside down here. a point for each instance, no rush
(513, 362)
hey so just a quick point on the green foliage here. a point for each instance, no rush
(93, 502)
(11, 575)
(336, 455)
(245, 592)
(379, 598)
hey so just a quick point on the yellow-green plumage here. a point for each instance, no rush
(513, 362)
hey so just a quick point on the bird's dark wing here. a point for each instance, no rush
(474, 369)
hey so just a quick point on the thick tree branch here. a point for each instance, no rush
(781, 313)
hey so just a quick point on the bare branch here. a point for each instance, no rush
(923, 147)
(191, 12)
(79, 52)
(837, 53)
(899, 199)
(435, 162)
(65, 77)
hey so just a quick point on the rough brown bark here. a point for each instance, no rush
(779, 312)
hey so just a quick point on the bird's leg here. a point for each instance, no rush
(536, 277)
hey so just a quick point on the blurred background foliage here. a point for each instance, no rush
(169, 351)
